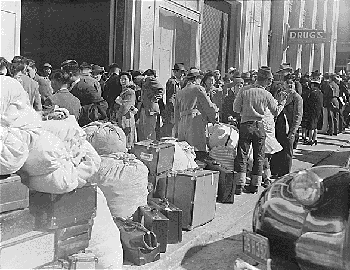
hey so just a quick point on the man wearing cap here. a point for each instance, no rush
(251, 103)
(94, 107)
(97, 73)
(173, 85)
(228, 115)
(113, 87)
(85, 73)
(193, 110)
(151, 106)
(47, 69)
(333, 106)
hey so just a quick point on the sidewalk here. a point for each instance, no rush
(232, 218)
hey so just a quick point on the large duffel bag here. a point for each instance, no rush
(123, 179)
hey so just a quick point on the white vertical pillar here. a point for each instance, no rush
(265, 29)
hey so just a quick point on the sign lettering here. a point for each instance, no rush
(305, 36)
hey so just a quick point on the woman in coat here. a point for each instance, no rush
(124, 109)
(193, 111)
(314, 107)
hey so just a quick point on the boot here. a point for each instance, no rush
(239, 179)
(254, 184)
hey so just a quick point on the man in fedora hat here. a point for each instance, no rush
(193, 110)
(112, 88)
(251, 103)
(96, 73)
(173, 85)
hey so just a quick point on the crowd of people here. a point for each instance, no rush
(268, 109)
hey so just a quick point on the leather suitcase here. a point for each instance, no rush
(15, 223)
(174, 214)
(156, 222)
(28, 251)
(83, 261)
(194, 192)
(140, 246)
(13, 194)
(54, 211)
(157, 156)
(159, 183)
(227, 185)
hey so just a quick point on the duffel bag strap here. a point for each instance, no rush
(229, 137)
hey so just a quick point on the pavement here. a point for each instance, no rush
(217, 244)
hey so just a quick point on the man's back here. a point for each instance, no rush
(65, 99)
(32, 88)
(86, 92)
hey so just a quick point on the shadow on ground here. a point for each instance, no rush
(311, 156)
(221, 255)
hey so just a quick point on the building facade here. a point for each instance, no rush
(304, 14)
(343, 43)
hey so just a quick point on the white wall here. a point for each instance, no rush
(10, 28)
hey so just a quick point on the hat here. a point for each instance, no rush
(150, 72)
(315, 80)
(231, 69)
(47, 65)
(193, 73)
(113, 65)
(179, 66)
(19, 58)
(238, 80)
(265, 73)
(285, 67)
(97, 69)
(85, 65)
(69, 65)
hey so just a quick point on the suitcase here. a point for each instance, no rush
(156, 222)
(227, 185)
(174, 215)
(194, 192)
(15, 223)
(157, 156)
(140, 246)
(83, 260)
(28, 251)
(13, 194)
(159, 183)
(54, 211)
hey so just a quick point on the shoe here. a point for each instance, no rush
(250, 189)
(238, 190)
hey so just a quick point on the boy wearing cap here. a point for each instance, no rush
(251, 103)
(173, 85)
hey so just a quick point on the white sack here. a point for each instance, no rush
(46, 154)
(106, 138)
(62, 180)
(13, 149)
(88, 165)
(15, 110)
(184, 157)
(123, 180)
(220, 133)
(105, 237)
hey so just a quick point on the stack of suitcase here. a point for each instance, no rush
(40, 228)
(180, 200)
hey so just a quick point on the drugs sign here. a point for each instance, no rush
(304, 36)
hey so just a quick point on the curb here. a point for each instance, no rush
(336, 158)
